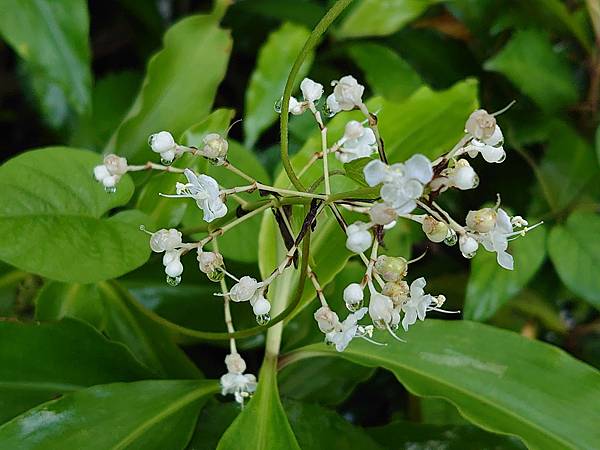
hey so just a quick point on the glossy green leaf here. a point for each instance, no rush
(498, 380)
(490, 286)
(169, 212)
(387, 74)
(380, 18)
(262, 424)
(274, 62)
(52, 38)
(316, 428)
(112, 310)
(417, 436)
(532, 64)
(354, 170)
(10, 280)
(575, 252)
(566, 174)
(52, 212)
(153, 414)
(180, 85)
(69, 355)
(214, 419)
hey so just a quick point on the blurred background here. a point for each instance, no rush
(541, 53)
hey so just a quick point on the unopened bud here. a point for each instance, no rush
(382, 214)
(435, 230)
(209, 262)
(481, 124)
(235, 363)
(397, 291)
(391, 268)
(483, 220)
(215, 146)
(353, 294)
(326, 319)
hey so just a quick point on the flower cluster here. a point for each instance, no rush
(110, 172)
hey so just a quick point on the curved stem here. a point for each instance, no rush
(311, 42)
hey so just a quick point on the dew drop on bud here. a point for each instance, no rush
(277, 106)
(151, 139)
(469, 255)
(475, 181)
(166, 162)
(110, 189)
(353, 307)
(173, 281)
(502, 158)
(394, 327)
(216, 275)
(451, 239)
(263, 319)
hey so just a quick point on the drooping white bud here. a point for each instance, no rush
(165, 240)
(391, 268)
(397, 291)
(353, 294)
(162, 142)
(116, 165)
(310, 90)
(296, 107)
(174, 268)
(463, 176)
(480, 124)
(483, 220)
(382, 214)
(327, 320)
(435, 230)
(101, 172)
(235, 363)
(215, 146)
(468, 246)
(110, 181)
(347, 94)
(353, 130)
(244, 290)
(359, 239)
(261, 306)
(380, 309)
(209, 261)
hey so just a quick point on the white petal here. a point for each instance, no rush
(333, 105)
(101, 172)
(419, 168)
(416, 287)
(375, 172)
(503, 222)
(505, 260)
(493, 154)
(496, 138)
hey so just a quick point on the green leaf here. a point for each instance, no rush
(275, 59)
(264, 416)
(152, 414)
(487, 373)
(417, 436)
(531, 63)
(354, 170)
(112, 310)
(386, 72)
(317, 428)
(168, 212)
(212, 423)
(179, 88)
(52, 38)
(566, 173)
(41, 361)
(377, 18)
(575, 252)
(52, 212)
(490, 286)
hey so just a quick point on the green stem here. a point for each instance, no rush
(311, 42)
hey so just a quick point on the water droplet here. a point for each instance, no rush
(110, 189)
(166, 162)
(151, 139)
(263, 319)
(394, 327)
(451, 239)
(277, 106)
(216, 275)
(502, 158)
(469, 255)
(173, 281)
(353, 307)
(475, 181)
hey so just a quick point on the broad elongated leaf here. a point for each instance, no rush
(264, 416)
(69, 355)
(380, 18)
(497, 379)
(275, 60)
(52, 215)
(110, 308)
(575, 252)
(153, 414)
(179, 87)
(490, 286)
(52, 39)
(386, 72)
(532, 64)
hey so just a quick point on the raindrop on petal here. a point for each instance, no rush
(173, 281)
(451, 239)
(110, 189)
(263, 319)
(277, 106)
(353, 307)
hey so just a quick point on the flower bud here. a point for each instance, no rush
(347, 93)
(174, 268)
(397, 291)
(162, 142)
(382, 214)
(209, 261)
(165, 240)
(380, 309)
(235, 363)
(353, 294)
(310, 90)
(261, 306)
(296, 108)
(391, 268)
(435, 230)
(101, 172)
(481, 124)
(463, 176)
(327, 320)
(353, 130)
(359, 239)
(215, 146)
(483, 220)
(116, 165)
(110, 181)
(468, 246)
(243, 290)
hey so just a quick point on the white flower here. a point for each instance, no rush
(381, 310)
(208, 262)
(347, 94)
(496, 240)
(435, 230)
(346, 331)
(402, 183)
(462, 176)
(361, 146)
(353, 294)
(241, 386)
(359, 238)
(172, 263)
(164, 144)
(417, 304)
(468, 246)
(116, 165)
(110, 172)
(482, 221)
(261, 306)
(205, 190)
(382, 214)
(235, 363)
(481, 124)
(244, 290)
(327, 320)
(310, 90)
(165, 240)
(353, 130)
(296, 107)
(487, 137)
(215, 146)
